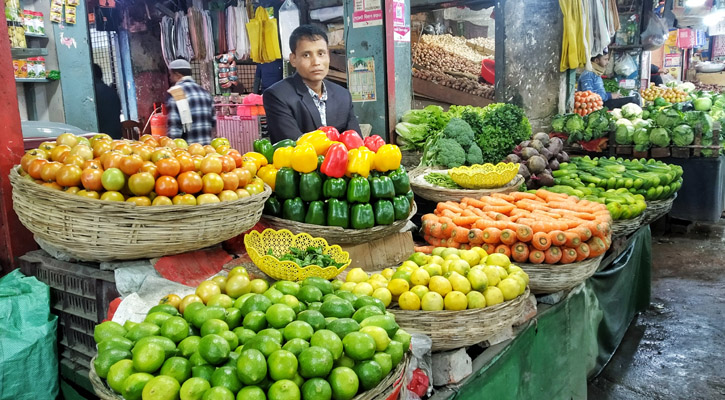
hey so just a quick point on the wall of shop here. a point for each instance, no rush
(149, 71)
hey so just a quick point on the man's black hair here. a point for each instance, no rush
(306, 32)
(97, 72)
(183, 71)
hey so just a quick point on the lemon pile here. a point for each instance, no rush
(448, 279)
(673, 95)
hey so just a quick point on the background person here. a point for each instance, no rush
(190, 107)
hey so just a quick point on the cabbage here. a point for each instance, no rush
(668, 118)
(624, 121)
(617, 113)
(624, 134)
(640, 123)
(631, 111)
(659, 137)
(702, 104)
(682, 135)
(641, 137)
(557, 124)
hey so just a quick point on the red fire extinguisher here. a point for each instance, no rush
(158, 121)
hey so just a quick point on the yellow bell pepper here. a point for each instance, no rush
(304, 158)
(283, 157)
(388, 158)
(268, 174)
(360, 161)
(259, 159)
(318, 139)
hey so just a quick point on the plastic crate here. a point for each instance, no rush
(241, 131)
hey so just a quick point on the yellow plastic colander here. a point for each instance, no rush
(258, 244)
(486, 176)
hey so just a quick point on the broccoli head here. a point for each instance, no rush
(449, 153)
(459, 130)
(474, 155)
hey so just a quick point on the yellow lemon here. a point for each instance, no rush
(377, 284)
(452, 257)
(492, 273)
(513, 268)
(383, 294)
(438, 251)
(478, 279)
(509, 288)
(470, 256)
(409, 301)
(449, 251)
(377, 276)
(408, 266)
(493, 296)
(420, 290)
(420, 277)
(433, 269)
(498, 259)
(398, 286)
(502, 272)
(440, 285)
(456, 301)
(522, 274)
(481, 252)
(387, 273)
(363, 289)
(476, 299)
(435, 260)
(356, 275)
(522, 283)
(348, 286)
(432, 301)
(459, 283)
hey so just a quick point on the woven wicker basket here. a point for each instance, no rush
(435, 193)
(551, 278)
(382, 391)
(96, 230)
(455, 329)
(656, 209)
(624, 227)
(337, 235)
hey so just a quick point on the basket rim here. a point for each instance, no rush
(586, 263)
(435, 193)
(16, 179)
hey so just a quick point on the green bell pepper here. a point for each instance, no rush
(316, 213)
(358, 190)
(284, 143)
(362, 216)
(294, 210)
(411, 197)
(320, 160)
(265, 148)
(287, 183)
(272, 207)
(334, 188)
(384, 212)
(381, 187)
(338, 213)
(310, 186)
(401, 181)
(401, 206)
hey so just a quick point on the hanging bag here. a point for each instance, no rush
(289, 20)
(271, 49)
(255, 33)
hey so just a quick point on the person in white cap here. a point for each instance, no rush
(190, 107)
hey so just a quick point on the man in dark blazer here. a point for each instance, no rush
(306, 101)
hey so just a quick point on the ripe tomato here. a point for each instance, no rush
(255, 187)
(112, 195)
(91, 179)
(223, 150)
(130, 164)
(196, 149)
(231, 180)
(145, 137)
(186, 162)
(197, 162)
(100, 136)
(82, 151)
(36, 165)
(72, 190)
(141, 184)
(228, 163)
(236, 156)
(244, 176)
(184, 200)
(167, 186)
(168, 166)
(58, 151)
(69, 175)
(111, 160)
(162, 201)
(141, 201)
(30, 156)
(213, 183)
(190, 182)
(207, 198)
(113, 179)
(72, 159)
(228, 195)
(67, 139)
(47, 146)
(242, 193)
(101, 147)
(149, 167)
(209, 150)
(49, 170)
(53, 185)
(211, 164)
(250, 166)
(181, 143)
(219, 141)
(89, 194)
(123, 148)
(166, 141)
(151, 142)
(144, 152)
(161, 153)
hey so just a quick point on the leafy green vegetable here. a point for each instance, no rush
(557, 123)
(668, 118)
(309, 256)
(624, 134)
(449, 153)
(460, 131)
(641, 138)
(442, 180)
(474, 155)
(682, 135)
(659, 137)
(631, 111)
(414, 135)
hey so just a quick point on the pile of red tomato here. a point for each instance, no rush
(150, 171)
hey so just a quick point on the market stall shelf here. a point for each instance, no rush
(95, 230)
(337, 235)
(625, 227)
(441, 194)
(455, 329)
(657, 208)
(551, 278)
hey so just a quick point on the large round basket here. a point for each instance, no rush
(624, 227)
(97, 230)
(551, 278)
(388, 386)
(438, 194)
(456, 329)
(337, 235)
(657, 208)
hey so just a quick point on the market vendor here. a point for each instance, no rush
(592, 81)
(306, 101)
(190, 107)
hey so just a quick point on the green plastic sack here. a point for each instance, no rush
(28, 352)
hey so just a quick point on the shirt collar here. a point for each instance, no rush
(315, 95)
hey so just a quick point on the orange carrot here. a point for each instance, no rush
(447, 226)
(448, 213)
(488, 248)
(460, 234)
(568, 255)
(508, 236)
(572, 239)
(552, 255)
(520, 252)
(558, 238)
(524, 233)
(450, 243)
(541, 241)
(483, 224)
(475, 236)
(584, 232)
(464, 246)
(473, 202)
(491, 235)
(582, 252)
(537, 257)
(596, 246)
(424, 249)
(501, 209)
(427, 217)
(523, 195)
(504, 196)
(449, 205)
(503, 249)
(434, 241)
(465, 221)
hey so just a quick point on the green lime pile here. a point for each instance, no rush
(293, 341)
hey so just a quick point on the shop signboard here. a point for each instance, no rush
(685, 38)
(367, 13)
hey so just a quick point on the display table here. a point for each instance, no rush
(553, 355)
(702, 194)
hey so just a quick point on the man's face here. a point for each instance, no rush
(311, 59)
(603, 60)
(174, 77)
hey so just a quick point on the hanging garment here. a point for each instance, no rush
(167, 40)
(231, 32)
(599, 36)
(612, 17)
(208, 36)
(181, 33)
(242, 40)
(573, 47)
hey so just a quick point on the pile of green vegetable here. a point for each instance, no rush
(612, 86)
(309, 256)
(442, 180)
(416, 126)
(596, 125)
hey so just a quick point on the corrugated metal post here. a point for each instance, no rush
(15, 240)
(129, 86)
(398, 63)
(74, 61)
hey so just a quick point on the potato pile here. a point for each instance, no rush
(463, 84)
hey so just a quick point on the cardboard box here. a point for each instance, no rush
(387, 252)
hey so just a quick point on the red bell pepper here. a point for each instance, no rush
(374, 142)
(335, 164)
(351, 140)
(331, 133)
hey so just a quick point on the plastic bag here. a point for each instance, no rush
(27, 339)
(289, 20)
(625, 65)
(655, 33)
(255, 33)
(419, 374)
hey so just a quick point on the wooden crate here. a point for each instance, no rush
(659, 152)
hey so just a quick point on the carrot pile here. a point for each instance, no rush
(587, 102)
(539, 228)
